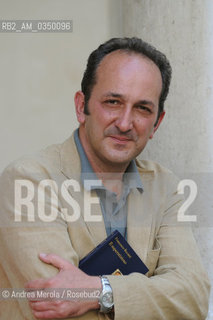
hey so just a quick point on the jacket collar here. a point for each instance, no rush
(70, 164)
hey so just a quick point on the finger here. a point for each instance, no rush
(54, 260)
(39, 305)
(45, 305)
(36, 284)
(49, 314)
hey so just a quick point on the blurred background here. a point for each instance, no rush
(40, 72)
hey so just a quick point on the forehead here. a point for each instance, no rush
(120, 68)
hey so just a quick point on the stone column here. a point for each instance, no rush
(183, 30)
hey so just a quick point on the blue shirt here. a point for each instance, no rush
(114, 210)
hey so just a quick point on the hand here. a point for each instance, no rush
(69, 277)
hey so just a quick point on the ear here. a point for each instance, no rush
(79, 106)
(157, 124)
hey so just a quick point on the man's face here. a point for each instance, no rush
(123, 109)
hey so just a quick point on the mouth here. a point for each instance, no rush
(120, 139)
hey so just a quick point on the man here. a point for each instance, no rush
(120, 107)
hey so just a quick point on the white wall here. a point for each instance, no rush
(41, 72)
(182, 29)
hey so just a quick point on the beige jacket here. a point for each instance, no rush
(177, 286)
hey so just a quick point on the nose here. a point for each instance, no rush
(124, 121)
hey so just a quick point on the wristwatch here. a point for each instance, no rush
(106, 297)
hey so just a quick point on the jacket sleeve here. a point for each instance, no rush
(178, 288)
(23, 234)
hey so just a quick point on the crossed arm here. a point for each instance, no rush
(69, 277)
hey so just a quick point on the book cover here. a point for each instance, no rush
(112, 256)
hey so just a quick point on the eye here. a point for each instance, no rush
(144, 108)
(112, 101)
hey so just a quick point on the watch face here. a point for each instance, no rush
(107, 300)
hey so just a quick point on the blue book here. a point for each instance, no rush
(112, 256)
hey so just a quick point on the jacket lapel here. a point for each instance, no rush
(140, 219)
(91, 214)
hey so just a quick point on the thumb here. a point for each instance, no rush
(54, 260)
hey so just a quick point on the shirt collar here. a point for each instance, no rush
(131, 176)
